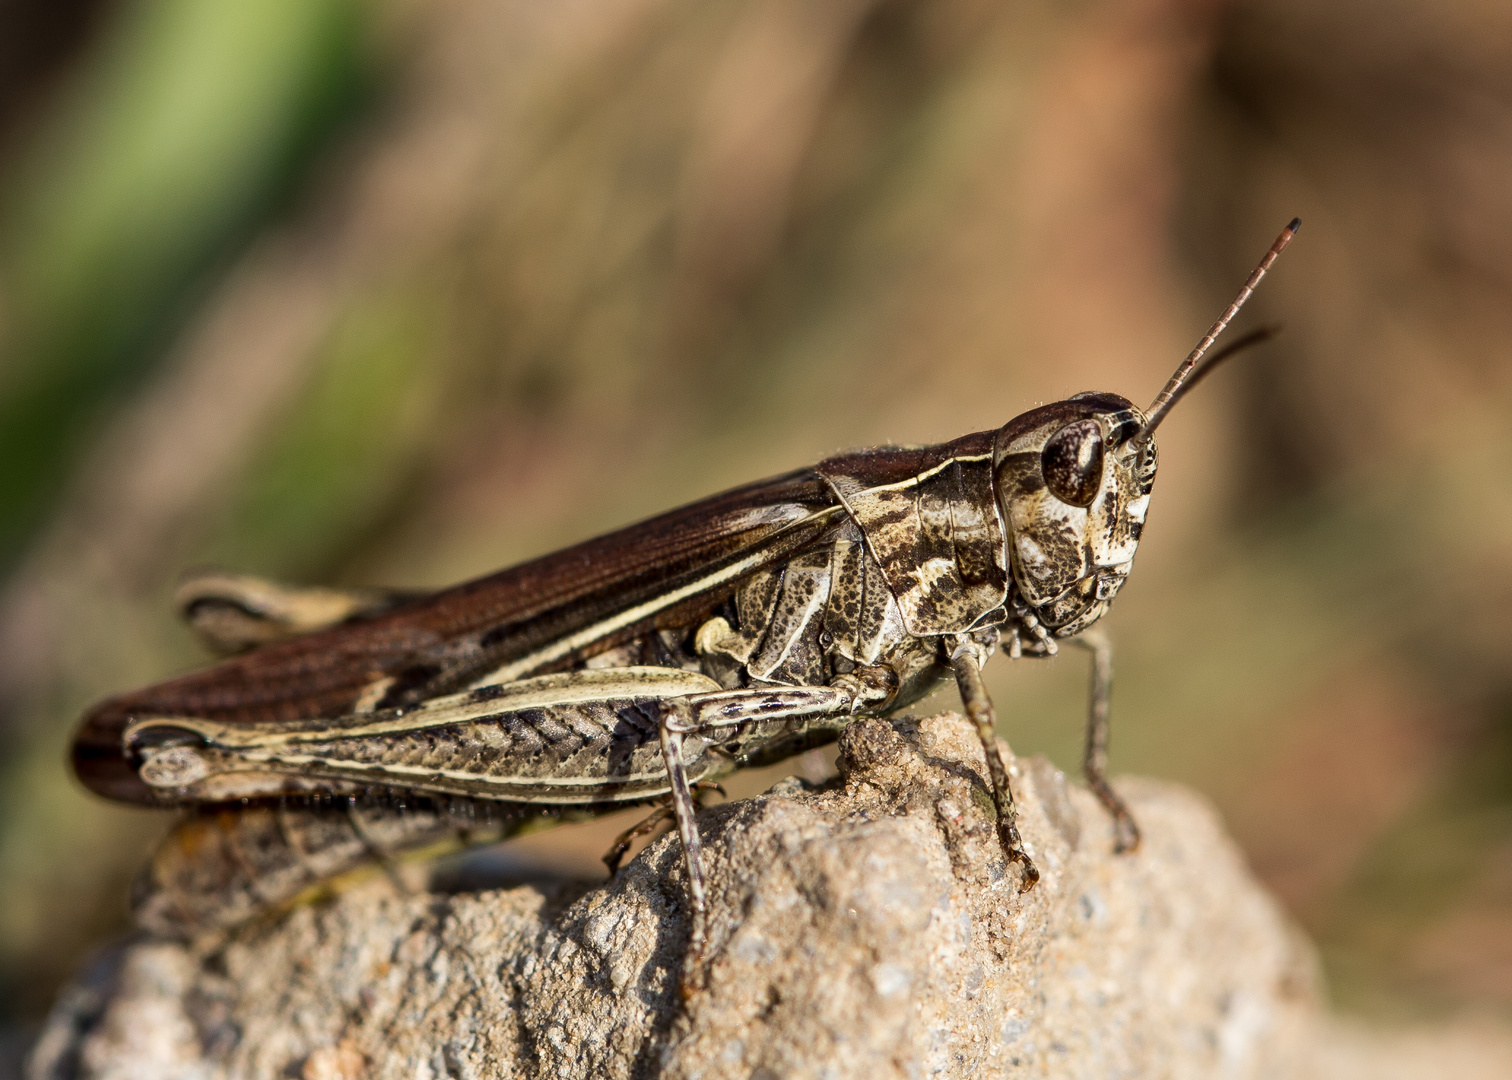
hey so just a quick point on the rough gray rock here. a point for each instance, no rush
(868, 929)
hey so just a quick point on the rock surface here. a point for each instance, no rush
(867, 929)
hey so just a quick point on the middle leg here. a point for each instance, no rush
(967, 659)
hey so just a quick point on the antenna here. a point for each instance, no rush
(1185, 378)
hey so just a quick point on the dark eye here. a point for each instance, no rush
(1072, 462)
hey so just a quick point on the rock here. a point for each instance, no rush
(869, 929)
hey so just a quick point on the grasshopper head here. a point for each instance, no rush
(1073, 481)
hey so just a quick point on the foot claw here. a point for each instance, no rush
(1127, 836)
(1029, 873)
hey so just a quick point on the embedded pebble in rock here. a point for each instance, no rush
(869, 929)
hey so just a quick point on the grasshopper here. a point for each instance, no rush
(639, 666)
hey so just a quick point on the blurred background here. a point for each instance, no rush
(391, 292)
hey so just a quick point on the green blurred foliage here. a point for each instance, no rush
(188, 128)
(348, 448)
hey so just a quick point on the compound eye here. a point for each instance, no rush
(1072, 462)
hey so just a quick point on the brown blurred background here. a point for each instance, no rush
(382, 291)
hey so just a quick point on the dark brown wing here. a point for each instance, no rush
(517, 615)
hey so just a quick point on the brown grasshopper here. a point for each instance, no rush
(633, 668)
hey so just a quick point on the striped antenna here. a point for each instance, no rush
(1184, 378)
